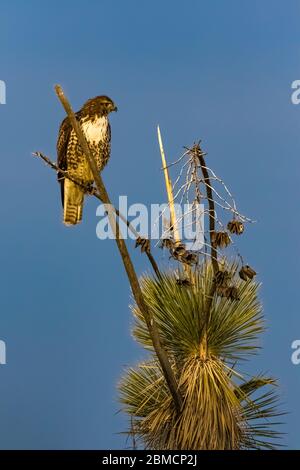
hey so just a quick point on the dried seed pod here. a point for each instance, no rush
(183, 282)
(221, 291)
(232, 293)
(184, 256)
(167, 243)
(224, 239)
(189, 258)
(235, 226)
(179, 250)
(220, 239)
(243, 275)
(250, 272)
(222, 278)
(246, 272)
(144, 243)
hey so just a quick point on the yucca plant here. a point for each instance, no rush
(197, 321)
(209, 318)
(219, 410)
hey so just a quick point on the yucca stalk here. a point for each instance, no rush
(218, 411)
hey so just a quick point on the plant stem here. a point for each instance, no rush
(173, 219)
(211, 206)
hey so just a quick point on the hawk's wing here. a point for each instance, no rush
(62, 147)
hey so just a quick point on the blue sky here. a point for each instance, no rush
(216, 70)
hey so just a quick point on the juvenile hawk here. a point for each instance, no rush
(93, 118)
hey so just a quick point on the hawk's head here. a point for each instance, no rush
(102, 105)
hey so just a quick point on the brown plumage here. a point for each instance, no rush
(93, 118)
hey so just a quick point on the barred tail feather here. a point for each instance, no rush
(73, 203)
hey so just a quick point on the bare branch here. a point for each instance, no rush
(200, 156)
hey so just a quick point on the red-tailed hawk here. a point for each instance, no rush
(93, 118)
